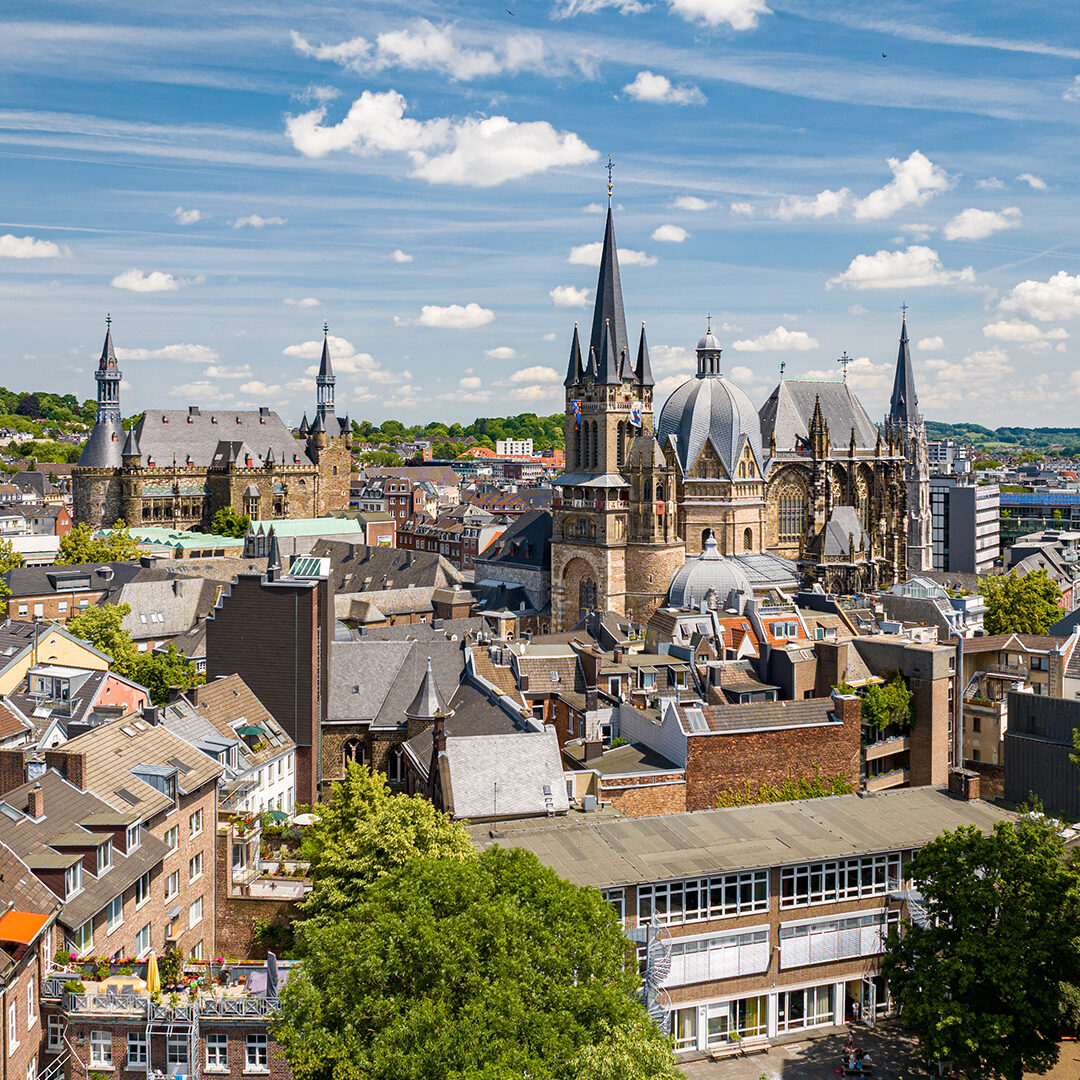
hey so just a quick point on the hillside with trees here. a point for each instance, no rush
(1063, 441)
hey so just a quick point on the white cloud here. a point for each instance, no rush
(863, 376)
(973, 224)
(303, 301)
(1053, 299)
(201, 391)
(186, 217)
(501, 352)
(666, 386)
(536, 374)
(550, 336)
(399, 256)
(594, 208)
(568, 296)
(742, 209)
(455, 316)
(980, 375)
(670, 234)
(825, 204)
(914, 267)
(672, 358)
(732, 328)
(260, 389)
(175, 354)
(858, 309)
(659, 90)
(692, 203)
(424, 46)
(1072, 91)
(221, 371)
(566, 9)
(589, 255)
(913, 231)
(255, 221)
(535, 392)
(29, 247)
(1027, 335)
(471, 382)
(915, 180)
(738, 14)
(990, 183)
(1032, 181)
(929, 344)
(345, 358)
(135, 280)
(478, 152)
(780, 339)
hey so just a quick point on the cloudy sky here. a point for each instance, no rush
(429, 178)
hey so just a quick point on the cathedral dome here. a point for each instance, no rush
(709, 342)
(710, 570)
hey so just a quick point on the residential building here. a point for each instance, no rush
(513, 447)
(459, 534)
(967, 525)
(399, 497)
(520, 556)
(297, 536)
(923, 600)
(25, 645)
(780, 933)
(948, 457)
(1037, 752)
(56, 593)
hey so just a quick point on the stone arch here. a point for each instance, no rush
(581, 589)
(748, 539)
(355, 751)
(395, 765)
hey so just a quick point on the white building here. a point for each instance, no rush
(514, 447)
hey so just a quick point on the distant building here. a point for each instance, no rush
(947, 457)
(513, 447)
(967, 525)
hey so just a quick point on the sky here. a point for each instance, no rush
(430, 179)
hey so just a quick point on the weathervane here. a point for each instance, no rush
(108, 318)
(610, 185)
(844, 360)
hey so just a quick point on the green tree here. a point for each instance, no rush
(980, 978)
(82, 545)
(227, 522)
(9, 560)
(386, 459)
(364, 832)
(160, 672)
(888, 704)
(471, 969)
(1020, 605)
(986, 463)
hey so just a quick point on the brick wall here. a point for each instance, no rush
(29, 1027)
(716, 763)
(991, 778)
(643, 796)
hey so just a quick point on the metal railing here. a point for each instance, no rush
(207, 1005)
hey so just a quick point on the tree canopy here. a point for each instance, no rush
(888, 704)
(9, 560)
(469, 969)
(983, 977)
(227, 522)
(363, 832)
(102, 626)
(1020, 605)
(81, 545)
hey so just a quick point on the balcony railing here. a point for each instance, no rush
(208, 1005)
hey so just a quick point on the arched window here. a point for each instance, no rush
(354, 750)
(579, 455)
(792, 517)
(395, 766)
(620, 448)
(659, 493)
(587, 595)
(594, 449)
(705, 534)
(748, 539)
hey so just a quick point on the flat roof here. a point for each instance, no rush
(629, 850)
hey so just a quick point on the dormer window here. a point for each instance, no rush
(133, 838)
(73, 880)
(104, 858)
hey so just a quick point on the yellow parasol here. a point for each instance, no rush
(153, 979)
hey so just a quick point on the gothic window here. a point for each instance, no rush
(620, 453)
(587, 595)
(792, 515)
(353, 750)
(748, 539)
(594, 449)
(659, 493)
(395, 766)
(579, 456)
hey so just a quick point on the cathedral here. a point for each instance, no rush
(805, 489)
(177, 467)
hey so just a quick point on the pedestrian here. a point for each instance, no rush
(856, 1008)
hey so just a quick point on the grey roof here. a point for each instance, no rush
(709, 408)
(708, 343)
(33, 481)
(79, 707)
(843, 526)
(425, 631)
(326, 370)
(710, 570)
(131, 445)
(103, 448)
(363, 568)
(624, 851)
(429, 702)
(21, 887)
(904, 404)
(755, 716)
(180, 433)
(643, 369)
(521, 764)
(790, 406)
(609, 300)
(573, 365)
(167, 608)
(764, 570)
(609, 360)
(526, 542)
(78, 577)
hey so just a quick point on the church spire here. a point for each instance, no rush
(573, 368)
(103, 450)
(609, 299)
(904, 405)
(324, 383)
(643, 372)
(609, 364)
(108, 378)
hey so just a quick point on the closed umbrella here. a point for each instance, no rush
(271, 976)
(153, 979)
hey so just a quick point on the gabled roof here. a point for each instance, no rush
(182, 433)
(787, 412)
(526, 542)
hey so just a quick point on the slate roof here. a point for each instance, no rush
(789, 408)
(32, 481)
(167, 433)
(166, 608)
(842, 527)
(447, 629)
(904, 403)
(757, 716)
(102, 449)
(440, 475)
(608, 310)
(79, 707)
(631, 759)
(709, 570)
(623, 851)
(361, 568)
(106, 577)
(526, 542)
(65, 808)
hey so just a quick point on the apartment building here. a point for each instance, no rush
(772, 918)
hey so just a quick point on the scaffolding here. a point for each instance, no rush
(178, 1024)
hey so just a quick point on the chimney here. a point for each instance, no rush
(12, 770)
(151, 715)
(594, 748)
(35, 804)
(523, 682)
(619, 654)
(592, 700)
(964, 784)
(175, 692)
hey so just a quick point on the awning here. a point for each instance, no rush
(250, 729)
(276, 816)
(21, 926)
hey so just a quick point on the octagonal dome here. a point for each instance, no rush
(710, 570)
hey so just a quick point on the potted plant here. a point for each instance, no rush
(63, 958)
(127, 969)
(74, 986)
(174, 1000)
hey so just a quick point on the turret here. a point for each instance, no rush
(324, 384)
(103, 450)
(643, 371)
(573, 366)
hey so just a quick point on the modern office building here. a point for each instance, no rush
(967, 525)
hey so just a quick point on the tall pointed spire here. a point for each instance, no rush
(904, 404)
(273, 557)
(573, 367)
(429, 702)
(324, 383)
(643, 371)
(609, 367)
(609, 299)
(103, 448)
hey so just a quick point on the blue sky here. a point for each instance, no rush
(429, 178)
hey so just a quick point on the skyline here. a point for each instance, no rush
(433, 183)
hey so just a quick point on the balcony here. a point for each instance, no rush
(886, 748)
(895, 778)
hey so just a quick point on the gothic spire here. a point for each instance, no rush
(428, 703)
(609, 367)
(904, 405)
(131, 445)
(103, 448)
(324, 383)
(609, 300)
(643, 373)
(573, 368)
(273, 557)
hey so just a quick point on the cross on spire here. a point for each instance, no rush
(325, 328)
(903, 311)
(108, 318)
(843, 361)
(708, 324)
(610, 184)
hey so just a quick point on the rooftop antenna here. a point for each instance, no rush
(610, 185)
(843, 361)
